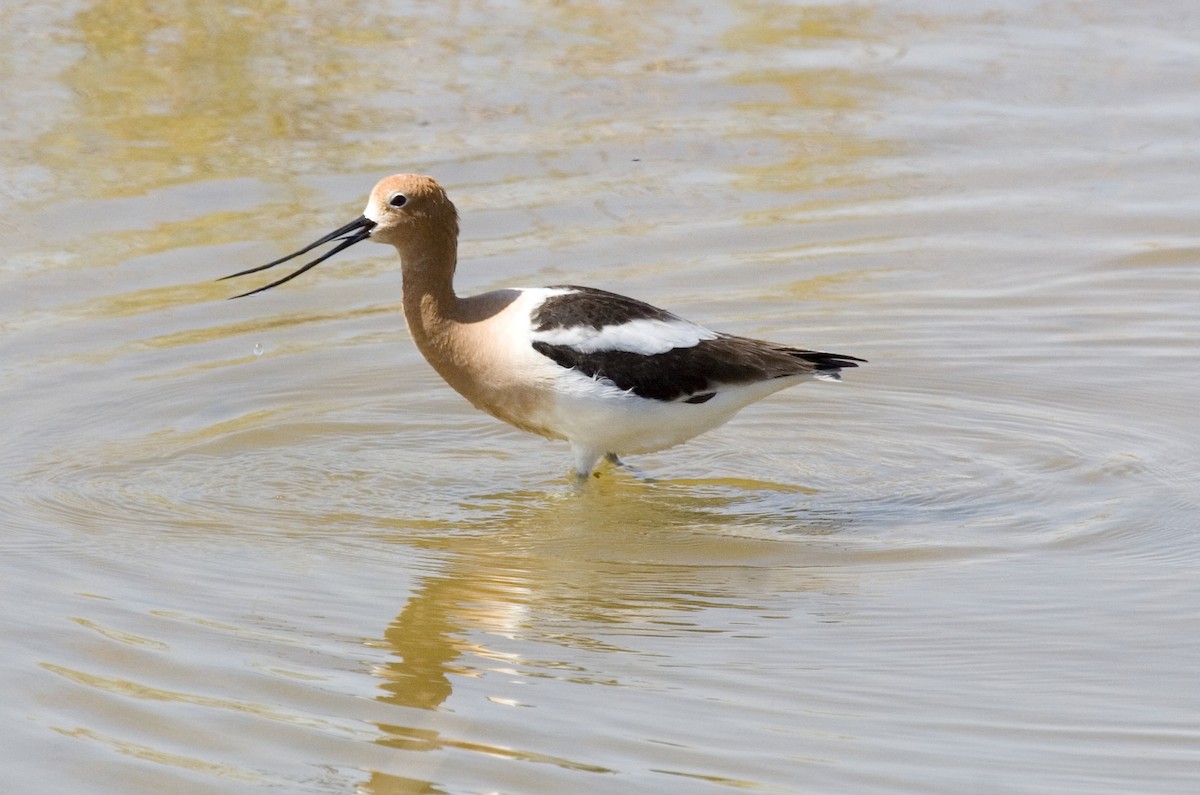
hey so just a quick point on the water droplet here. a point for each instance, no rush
(258, 349)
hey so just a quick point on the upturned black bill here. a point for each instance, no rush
(356, 231)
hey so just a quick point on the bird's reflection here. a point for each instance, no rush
(552, 568)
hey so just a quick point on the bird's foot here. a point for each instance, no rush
(629, 468)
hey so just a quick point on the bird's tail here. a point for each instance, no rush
(827, 366)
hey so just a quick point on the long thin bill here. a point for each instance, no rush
(356, 231)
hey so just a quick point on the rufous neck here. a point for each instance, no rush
(430, 305)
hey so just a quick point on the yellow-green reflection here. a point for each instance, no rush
(166, 95)
(202, 90)
(628, 555)
(797, 25)
(808, 107)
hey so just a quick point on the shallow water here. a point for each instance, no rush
(257, 544)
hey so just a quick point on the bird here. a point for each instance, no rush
(611, 375)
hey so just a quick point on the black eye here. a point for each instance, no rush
(397, 200)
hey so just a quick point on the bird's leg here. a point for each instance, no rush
(585, 462)
(632, 470)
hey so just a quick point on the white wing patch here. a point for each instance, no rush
(647, 337)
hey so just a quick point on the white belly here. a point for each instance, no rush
(599, 416)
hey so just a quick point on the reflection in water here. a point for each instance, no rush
(161, 98)
(425, 638)
(548, 569)
(221, 91)
(817, 166)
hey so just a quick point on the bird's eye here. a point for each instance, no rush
(397, 200)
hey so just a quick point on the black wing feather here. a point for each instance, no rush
(692, 373)
(587, 306)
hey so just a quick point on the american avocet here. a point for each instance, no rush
(609, 374)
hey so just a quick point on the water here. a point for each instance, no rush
(258, 545)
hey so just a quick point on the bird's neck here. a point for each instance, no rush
(428, 281)
(431, 307)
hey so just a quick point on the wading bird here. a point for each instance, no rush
(611, 375)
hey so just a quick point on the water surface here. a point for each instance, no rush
(258, 545)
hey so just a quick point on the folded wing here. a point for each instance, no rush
(658, 355)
